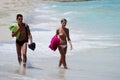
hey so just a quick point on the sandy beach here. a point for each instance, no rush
(8, 11)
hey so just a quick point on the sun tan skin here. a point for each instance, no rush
(22, 50)
(63, 34)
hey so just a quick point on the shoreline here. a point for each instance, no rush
(84, 65)
(10, 8)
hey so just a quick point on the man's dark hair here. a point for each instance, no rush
(19, 15)
(63, 20)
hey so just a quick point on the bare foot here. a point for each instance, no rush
(65, 67)
(24, 65)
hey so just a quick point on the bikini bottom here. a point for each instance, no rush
(63, 46)
(21, 42)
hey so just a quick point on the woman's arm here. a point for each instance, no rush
(70, 44)
(69, 40)
(57, 32)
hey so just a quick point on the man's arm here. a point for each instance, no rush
(30, 37)
(14, 33)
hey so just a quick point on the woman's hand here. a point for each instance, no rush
(70, 45)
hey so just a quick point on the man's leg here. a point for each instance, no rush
(18, 49)
(24, 51)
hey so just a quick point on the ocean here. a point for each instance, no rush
(93, 25)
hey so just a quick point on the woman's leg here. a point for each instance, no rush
(24, 51)
(63, 57)
(61, 53)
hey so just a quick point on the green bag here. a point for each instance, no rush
(14, 27)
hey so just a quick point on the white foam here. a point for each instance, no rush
(68, 13)
(82, 41)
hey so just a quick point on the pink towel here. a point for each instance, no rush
(55, 41)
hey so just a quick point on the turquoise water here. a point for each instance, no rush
(92, 24)
(97, 16)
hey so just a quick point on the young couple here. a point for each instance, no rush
(25, 35)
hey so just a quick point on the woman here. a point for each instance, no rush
(63, 34)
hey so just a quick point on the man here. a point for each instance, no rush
(21, 41)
